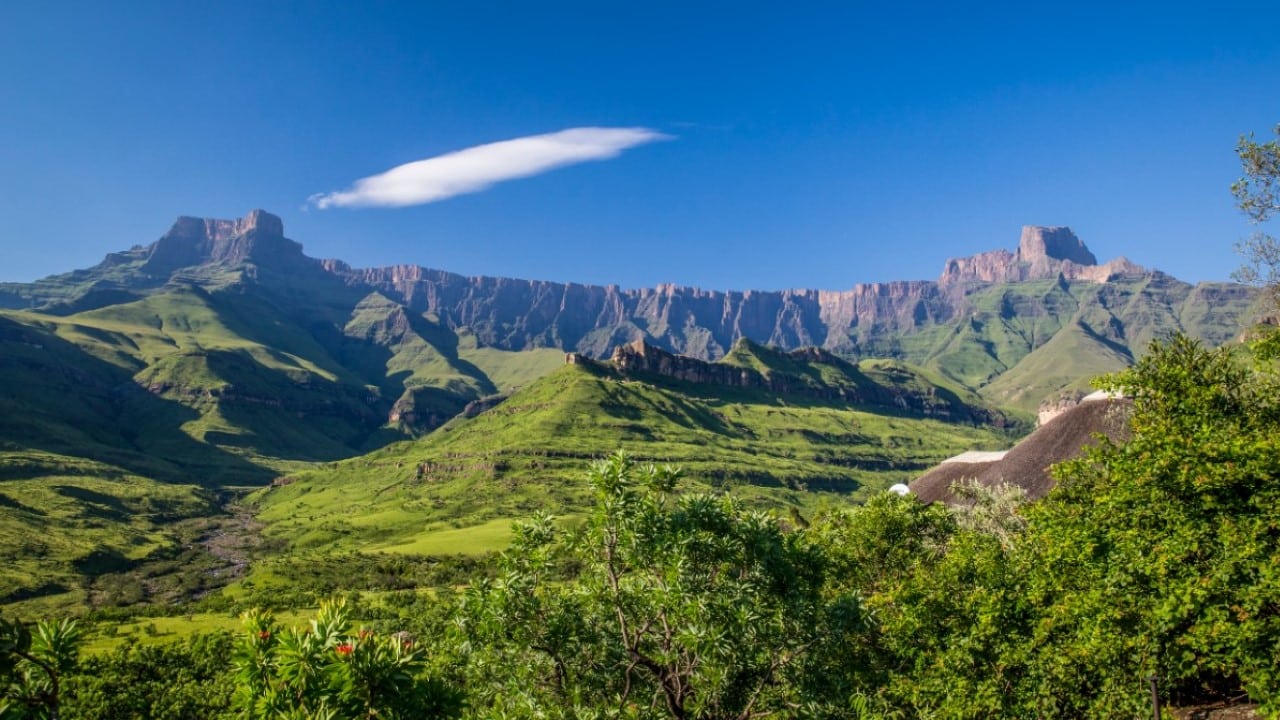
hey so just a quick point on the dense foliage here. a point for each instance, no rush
(327, 671)
(187, 680)
(1157, 557)
(684, 606)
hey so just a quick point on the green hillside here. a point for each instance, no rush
(1021, 343)
(467, 480)
(120, 426)
(417, 411)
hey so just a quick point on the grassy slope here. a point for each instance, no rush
(100, 470)
(1020, 343)
(528, 455)
(1115, 323)
(74, 519)
(1045, 370)
(508, 371)
(246, 389)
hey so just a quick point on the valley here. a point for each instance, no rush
(416, 413)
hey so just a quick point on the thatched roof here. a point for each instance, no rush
(1027, 464)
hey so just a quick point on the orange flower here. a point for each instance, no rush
(344, 649)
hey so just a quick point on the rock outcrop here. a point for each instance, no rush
(1043, 253)
(897, 389)
(1052, 243)
(640, 357)
(256, 237)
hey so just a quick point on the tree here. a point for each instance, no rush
(1258, 196)
(188, 680)
(684, 606)
(1258, 192)
(32, 666)
(1157, 557)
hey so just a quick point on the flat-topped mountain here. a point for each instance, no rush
(257, 237)
(1043, 253)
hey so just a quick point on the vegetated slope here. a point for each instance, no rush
(1019, 344)
(93, 470)
(470, 478)
(279, 359)
(220, 355)
(118, 422)
(148, 385)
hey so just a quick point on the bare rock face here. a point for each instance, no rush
(515, 314)
(641, 357)
(1043, 253)
(592, 319)
(996, 266)
(256, 237)
(1053, 243)
(893, 390)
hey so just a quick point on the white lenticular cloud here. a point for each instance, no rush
(480, 167)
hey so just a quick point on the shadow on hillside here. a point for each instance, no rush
(277, 413)
(95, 504)
(12, 504)
(58, 398)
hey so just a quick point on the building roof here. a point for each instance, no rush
(1027, 463)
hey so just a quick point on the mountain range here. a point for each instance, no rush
(985, 316)
(389, 405)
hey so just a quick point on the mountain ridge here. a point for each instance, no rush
(221, 356)
(955, 325)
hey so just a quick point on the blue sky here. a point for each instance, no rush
(790, 145)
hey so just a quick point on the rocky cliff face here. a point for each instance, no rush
(257, 237)
(1054, 243)
(521, 314)
(513, 314)
(975, 323)
(1043, 253)
(896, 388)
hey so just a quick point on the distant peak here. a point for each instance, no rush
(262, 221)
(1057, 243)
(214, 229)
(258, 236)
(1043, 253)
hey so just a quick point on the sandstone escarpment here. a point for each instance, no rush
(592, 319)
(977, 322)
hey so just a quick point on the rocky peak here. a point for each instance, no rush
(1056, 243)
(1043, 253)
(257, 237)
